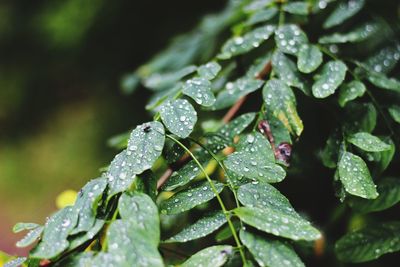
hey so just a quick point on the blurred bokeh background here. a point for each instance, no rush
(60, 67)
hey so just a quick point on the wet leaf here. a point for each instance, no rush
(278, 223)
(368, 142)
(265, 195)
(384, 60)
(190, 198)
(30, 237)
(235, 90)
(79, 259)
(382, 81)
(255, 166)
(242, 44)
(343, 11)
(331, 76)
(179, 117)
(289, 38)
(394, 112)
(55, 233)
(17, 262)
(144, 147)
(214, 256)
(350, 91)
(203, 227)
(389, 195)
(129, 246)
(309, 58)
(140, 210)
(24, 226)
(272, 253)
(287, 71)
(79, 239)
(199, 89)
(369, 243)
(86, 204)
(209, 70)
(262, 15)
(359, 34)
(355, 176)
(281, 102)
(296, 7)
(187, 173)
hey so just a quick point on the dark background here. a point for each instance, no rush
(60, 67)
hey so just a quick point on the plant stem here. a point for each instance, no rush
(221, 203)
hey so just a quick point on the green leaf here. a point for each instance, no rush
(384, 60)
(17, 262)
(369, 243)
(355, 176)
(255, 166)
(83, 259)
(262, 15)
(256, 143)
(278, 223)
(209, 70)
(394, 112)
(214, 256)
(79, 239)
(187, 173)
(265, 195)
(86, 204)
(242, 44)
(343, 11)
(280, 132)
(385, 157)
(55, 233)
(360, 117)
(19, 227)
(145, 145)
(296, 7)
(257, 5)
(128, 245)
(382, 81)
(287, 71)
(203, 227)
(289, 38)
(309, 58)
(235, 90)
(389, 195)
(30, 237)
(281, 102)
(120, 175)
(359, 34)
(140, 210)
(368, 142)
(331, 76)
(190, 198)
(162, 81)
(179, 117)
(200, 90)
(272, 253)
(350, 91)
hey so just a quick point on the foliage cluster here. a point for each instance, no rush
(187, 164)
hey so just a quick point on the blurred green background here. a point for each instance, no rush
(60, 66)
